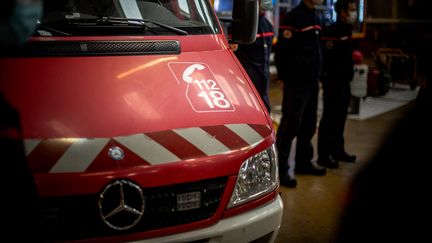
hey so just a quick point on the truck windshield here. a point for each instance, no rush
(126, 17)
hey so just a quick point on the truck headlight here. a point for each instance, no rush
(258, 175)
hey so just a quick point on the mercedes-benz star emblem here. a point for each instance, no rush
(121, 205)
(116, 153)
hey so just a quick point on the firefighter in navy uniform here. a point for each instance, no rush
(255, 57)
(336, 77)
(298, 62)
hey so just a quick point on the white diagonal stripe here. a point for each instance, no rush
(79, 155)
(246, 132)
(148, 149)
(30, 144)
(202, 140)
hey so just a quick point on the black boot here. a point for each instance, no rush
(309, 168)
(343, 156)
(328, 162)
(287, 180)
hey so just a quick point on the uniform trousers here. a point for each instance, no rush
(299, 119)
(336, 96)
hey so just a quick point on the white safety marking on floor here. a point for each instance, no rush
(202, 140)
(79, 155)
(148, 149)
(30, 144)
(246, 132)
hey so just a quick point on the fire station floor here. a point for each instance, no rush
(312, 210)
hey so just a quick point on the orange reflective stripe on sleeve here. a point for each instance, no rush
(312, 27)
(265, 34)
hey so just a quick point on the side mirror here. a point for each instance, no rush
(244, 21)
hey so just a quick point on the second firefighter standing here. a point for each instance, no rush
(336, 77)
(298, 62)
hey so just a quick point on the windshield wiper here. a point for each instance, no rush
(127, 21)
(44, 27)
(144, 21)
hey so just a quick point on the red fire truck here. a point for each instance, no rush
(140, 124)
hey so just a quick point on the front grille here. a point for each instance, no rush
(77, 217)
(97, 48)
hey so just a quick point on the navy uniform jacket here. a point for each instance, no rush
(298, 51)
(255, 57)
(337, 53)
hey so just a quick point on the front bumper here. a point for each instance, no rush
(263, 221)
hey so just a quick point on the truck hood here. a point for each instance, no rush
(198, 100)
(106, 96)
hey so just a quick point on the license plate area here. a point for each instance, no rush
(188, 201)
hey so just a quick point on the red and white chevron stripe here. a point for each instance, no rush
(75, 155)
